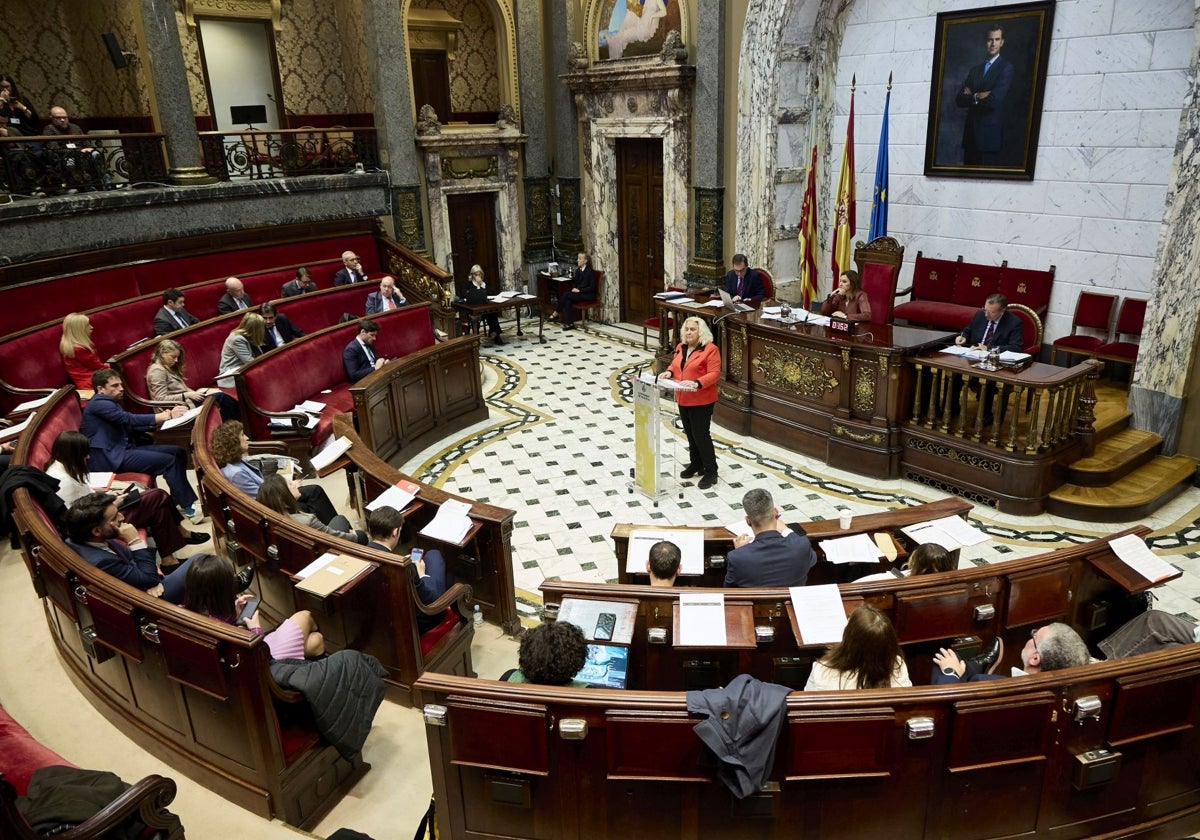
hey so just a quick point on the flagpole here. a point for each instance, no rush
(879, 207)
(843, 221)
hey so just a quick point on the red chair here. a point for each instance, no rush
(879, 269)
(655, 322)
(768, 284)
(586, 306)
(1031, 329)
(1093, 311)
(1129, 323)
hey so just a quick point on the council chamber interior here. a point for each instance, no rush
(660, 138)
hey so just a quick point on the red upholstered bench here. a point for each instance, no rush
(61, 414)
(309, 367)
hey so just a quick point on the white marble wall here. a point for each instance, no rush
(1117, 79)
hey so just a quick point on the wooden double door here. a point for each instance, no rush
(473, 238)
(639, 225)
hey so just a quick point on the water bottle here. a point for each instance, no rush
(478, 616)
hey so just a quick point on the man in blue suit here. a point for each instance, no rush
(109, 429)
(775, 556)
(383, 528)
(100, 535)
(984, 92)
(359, 358)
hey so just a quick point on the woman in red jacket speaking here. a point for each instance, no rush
(697, 362)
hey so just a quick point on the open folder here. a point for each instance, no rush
(333, 575)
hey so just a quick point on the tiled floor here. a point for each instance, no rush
(557, 450)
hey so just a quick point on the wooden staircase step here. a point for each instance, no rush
(1115, 457)
(1131, 498)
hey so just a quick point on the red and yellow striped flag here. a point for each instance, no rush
(808, 236)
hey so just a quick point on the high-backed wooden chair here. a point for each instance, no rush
(1093, 311)
(878, 264)
(587, 306)
(768, 284)
(1031, 329)
(1129, 323)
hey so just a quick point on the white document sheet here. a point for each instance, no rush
(950, 532)
(316, 565)
(1134, 552)
(15, 429)
(29, 405)
(334, 449)
(859, 548)
(399, 496)
(451, 523)
(739, 528)
(187, 417)
(702, 619)
(690, 544)
(819, 613)
(309, 407)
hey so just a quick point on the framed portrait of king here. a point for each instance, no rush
(985, 97)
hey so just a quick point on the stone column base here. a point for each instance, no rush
(190, 176)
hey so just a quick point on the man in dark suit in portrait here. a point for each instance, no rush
(984, 92)
(279, 328)
(775, 556)
(172, 316)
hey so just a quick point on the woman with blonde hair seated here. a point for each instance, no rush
(868, 656)
(282, 495)
(165, 381)
(243, 343)
(78, 353)
(211, 589)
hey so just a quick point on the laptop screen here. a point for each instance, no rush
(605, 667)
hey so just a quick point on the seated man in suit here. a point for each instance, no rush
(279, 328)
(301, 284)
(1058, 646)
(993, 326)
(110, 428)
(100, 535)
(172, 316)
(775, 556)
(351, 270)
(663, 564)
(386, 298)
(235, 297)
(359, 357)
(477, 293)
(743, 282)
(383, 529)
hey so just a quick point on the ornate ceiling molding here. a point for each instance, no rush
(244, 9)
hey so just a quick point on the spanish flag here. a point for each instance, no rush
(843, 220)
(808, 236)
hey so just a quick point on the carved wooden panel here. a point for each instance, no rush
(501, 736)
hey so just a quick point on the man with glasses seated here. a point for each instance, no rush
(351, 270)
(1056, 646)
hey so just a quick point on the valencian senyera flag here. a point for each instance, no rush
(808, 235)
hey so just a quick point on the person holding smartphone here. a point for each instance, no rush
(383, 526)
(211, 589)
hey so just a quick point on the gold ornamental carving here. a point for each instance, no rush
(846, 359)
(950, 453)
(243, 9)
(735, 397)
(864, 390)
(460, 169)
(737, 352)
(804, 375)
(862, 437)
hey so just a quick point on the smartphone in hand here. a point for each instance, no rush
(247, 611)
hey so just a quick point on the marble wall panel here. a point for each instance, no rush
(1096, 128)
(1138, 16)
(1152, 89)
(1142, 165)
(1138, 239)
(1172, 49)
(1108, 54)
(1146, 202)
(1156, 125)
(1103, 201)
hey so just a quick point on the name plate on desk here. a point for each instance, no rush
(842, 327)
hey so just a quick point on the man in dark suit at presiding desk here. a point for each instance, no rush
(775, 556)
(172, 316)
(359, 357)
(743, 282)
(993, 326)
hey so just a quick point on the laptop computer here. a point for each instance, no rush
(734, 306)
(605, 667)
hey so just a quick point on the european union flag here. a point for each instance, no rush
(879, 199)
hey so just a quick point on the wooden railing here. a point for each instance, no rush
(234, 155)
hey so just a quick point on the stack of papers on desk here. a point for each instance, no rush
(186, 417)
(819, 613)
(15, 429)
(950, 532)
(330, 575)
(507, 295)
(689, 542)
(585, 613)
(671, 295)
(965, 352)
(29, 405)
(399, 496)
(701, 619)
(451, 523)
(1132, 550)
(310, 422)
(330, 452)
(856, 549)
(666, 384)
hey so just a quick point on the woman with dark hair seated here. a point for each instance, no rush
(283, 496)
(848, 301)
(211, 589)
(926, 559)
(550, 654)
(868, 656)
(231, 449)
(165, 380)
(149, 508)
